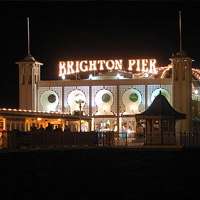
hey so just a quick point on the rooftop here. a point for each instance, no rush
(161, 107)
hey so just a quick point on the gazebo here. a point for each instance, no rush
(160, 119)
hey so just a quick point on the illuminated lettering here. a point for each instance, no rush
(144, 65)
(71, 67)
(62, 69)
(118, 64)
(85, 67)
(138, 65)
(70, 70)
(152, 66)
(77, 67)
(92, 65)
(112, 64)
(130, 64)
(101, 62)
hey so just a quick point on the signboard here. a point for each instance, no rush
(138, 65)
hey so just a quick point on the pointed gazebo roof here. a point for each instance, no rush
(161, 108)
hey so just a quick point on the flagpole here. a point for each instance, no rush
(180, 30)
(28, 36)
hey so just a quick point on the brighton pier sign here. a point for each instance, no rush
(138, 65)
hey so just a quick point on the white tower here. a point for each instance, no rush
(29, 75)
(182, 88)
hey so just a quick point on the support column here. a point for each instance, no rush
(146, 97)
(63, 98)
(118, 125)
(90, 105)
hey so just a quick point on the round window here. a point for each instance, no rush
(51, 98)
(133, 97)
(106, 98)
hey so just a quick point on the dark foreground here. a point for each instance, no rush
(101, 173)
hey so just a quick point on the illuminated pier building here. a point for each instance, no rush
(114, 91)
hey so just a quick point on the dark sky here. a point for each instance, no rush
(92, 30)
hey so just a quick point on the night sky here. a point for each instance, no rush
(61, 31)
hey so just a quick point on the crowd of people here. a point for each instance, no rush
(50, 128)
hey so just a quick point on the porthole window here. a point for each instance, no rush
(51, 98)
(106, 98)
(133, 97)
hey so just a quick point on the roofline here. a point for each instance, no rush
(30, 61)
(37, 114)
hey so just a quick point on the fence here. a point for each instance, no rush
(189, 138)
(56, 138)
(37, 138)
(18, 139)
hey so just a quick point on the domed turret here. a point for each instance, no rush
(29, 59)
(182, 54)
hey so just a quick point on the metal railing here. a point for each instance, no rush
(189, 138)
(18, 139)
(121, 139)
(37, 138)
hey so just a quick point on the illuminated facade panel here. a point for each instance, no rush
(154, 90)
(69, 95)
(50, 99)
(139, 88)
